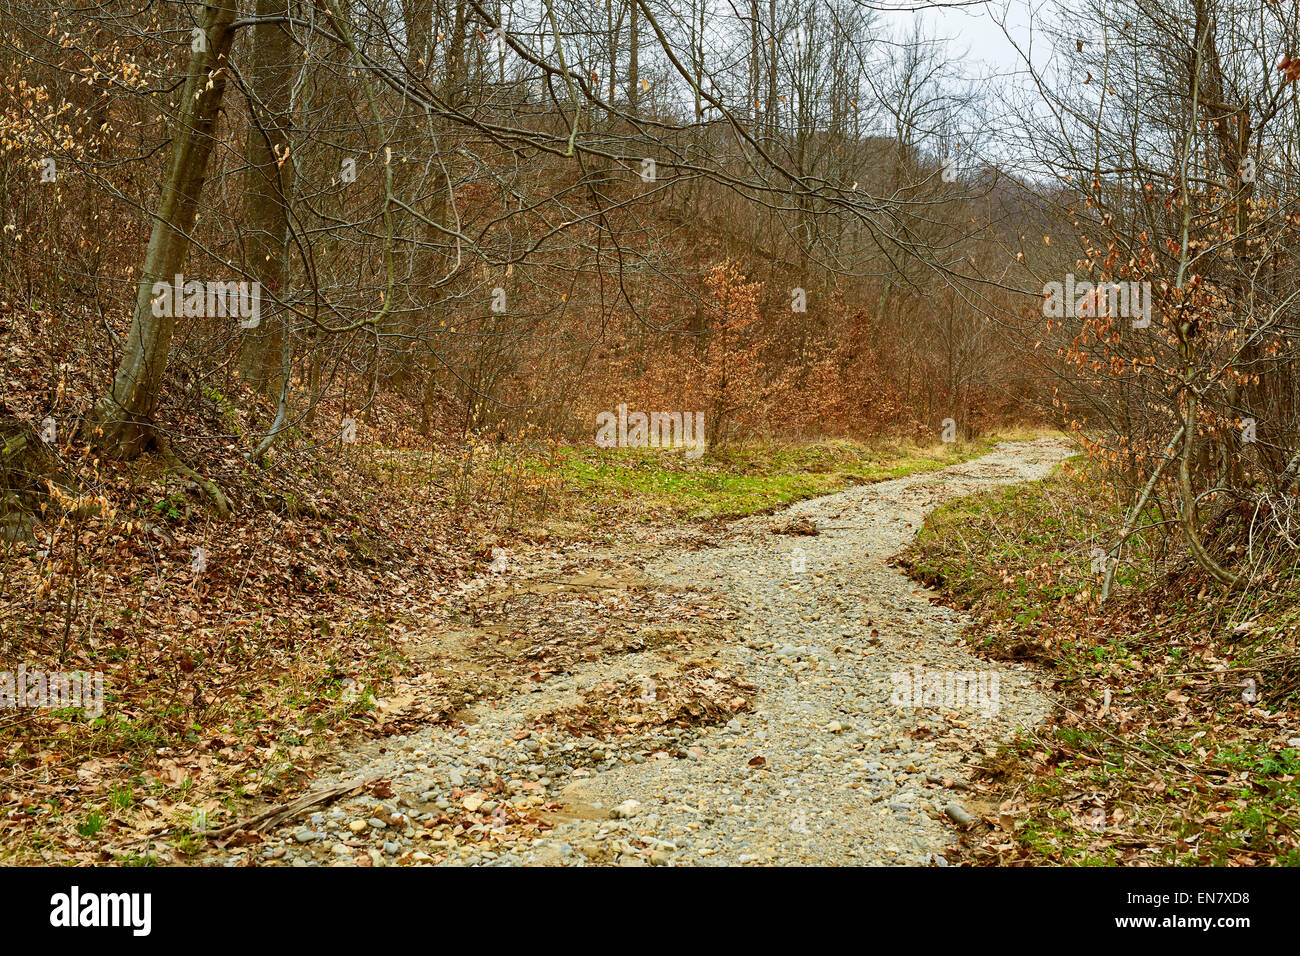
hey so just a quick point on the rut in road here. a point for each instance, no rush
(796, 740)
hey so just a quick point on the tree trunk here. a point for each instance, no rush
(120, 422)
(267, 186)
(633, 64)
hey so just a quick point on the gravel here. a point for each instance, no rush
(848, 774)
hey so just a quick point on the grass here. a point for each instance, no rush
(652, 485)
(1016, 552)
(535, 485)
(1155, 726)
(544, 486)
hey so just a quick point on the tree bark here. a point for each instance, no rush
(121, 421)
(266, 192)
(633, 59)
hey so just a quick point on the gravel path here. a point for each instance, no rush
(821, 762)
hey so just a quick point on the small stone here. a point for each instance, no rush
(377, 823)
(958, 814)
(356, 826)
(626, 810)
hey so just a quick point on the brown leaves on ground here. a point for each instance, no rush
(698, 695)
(483, 817)
(569, 608)
(232, 651)
(1174, 737)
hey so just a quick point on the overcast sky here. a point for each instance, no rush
(974, 29)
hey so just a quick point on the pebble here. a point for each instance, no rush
(626, 810)
(958, 814)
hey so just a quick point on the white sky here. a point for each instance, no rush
(974, 30)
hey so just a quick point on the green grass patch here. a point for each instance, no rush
(1173, 745)
(656, 484)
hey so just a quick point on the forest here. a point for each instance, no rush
(632, 432)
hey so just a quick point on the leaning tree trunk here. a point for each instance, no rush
(121, 421)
